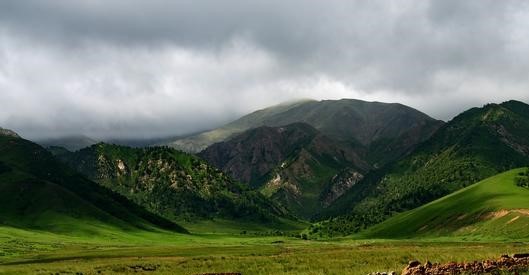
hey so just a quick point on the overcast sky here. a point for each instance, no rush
(136, 68)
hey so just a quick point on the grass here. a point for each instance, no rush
(27, 252)
(455, 231)
(234, 227)
(493, 209)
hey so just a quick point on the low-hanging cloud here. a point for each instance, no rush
(154, 68)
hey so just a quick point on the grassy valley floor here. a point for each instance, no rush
(219, 246)
(25, 252)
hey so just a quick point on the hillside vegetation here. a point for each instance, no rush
(39, 193)
(495, 208)
(308, 154)
(477, 144)
(171, 183)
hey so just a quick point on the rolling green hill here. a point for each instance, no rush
(173, 184)
(294, 165)
(476, 144)
(495, 208)
(39, 193)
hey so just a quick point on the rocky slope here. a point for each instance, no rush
(173, 184)
(294, 165)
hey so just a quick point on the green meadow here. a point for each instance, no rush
(25, 252)
(482, 221)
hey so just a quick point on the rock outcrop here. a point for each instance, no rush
(512, 264)
(8, 133)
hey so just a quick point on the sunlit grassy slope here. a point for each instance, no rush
(495, 208)
(38, 193)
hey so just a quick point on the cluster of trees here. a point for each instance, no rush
(523, 179)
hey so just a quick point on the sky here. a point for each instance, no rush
(140, 69)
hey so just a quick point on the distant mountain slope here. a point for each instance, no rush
(295, 165)
(199, 142)
(173, 184)
(71, 143)
(495, 208)
(38, 192)
(381, 131)
(477, 144)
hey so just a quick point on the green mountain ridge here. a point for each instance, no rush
(477, 144)
(39, 192)
(173, 184)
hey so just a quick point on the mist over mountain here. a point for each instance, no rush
(71, 143)
(166, 69)
(368, 124)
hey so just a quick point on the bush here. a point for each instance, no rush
(523, 179)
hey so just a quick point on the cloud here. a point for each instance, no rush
(152, 68)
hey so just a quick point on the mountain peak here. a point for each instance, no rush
(367, 123)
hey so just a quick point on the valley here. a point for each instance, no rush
(289, 191)
(234, 137)
(162, 253)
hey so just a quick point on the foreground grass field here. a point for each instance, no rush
(26, 252)
(459, 227)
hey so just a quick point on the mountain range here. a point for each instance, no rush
(382, 132)
(310, 153)
(345, 165)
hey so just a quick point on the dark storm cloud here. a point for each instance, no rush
(156, 67)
